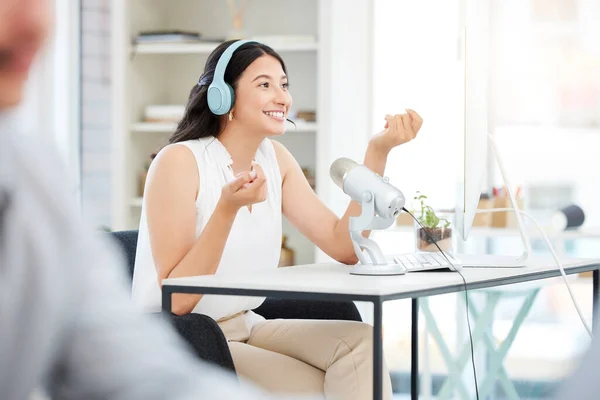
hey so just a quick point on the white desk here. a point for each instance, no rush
(333, 282)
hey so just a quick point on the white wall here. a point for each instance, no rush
(96, 124)
(345, 91)
(416, 66)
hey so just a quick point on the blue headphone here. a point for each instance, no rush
(220, 94)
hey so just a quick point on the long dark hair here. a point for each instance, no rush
(198, 121)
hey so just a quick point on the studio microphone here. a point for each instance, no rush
(380, 203)
(358, 181)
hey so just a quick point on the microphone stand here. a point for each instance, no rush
(375, 263)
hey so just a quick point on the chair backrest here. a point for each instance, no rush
(127, 241)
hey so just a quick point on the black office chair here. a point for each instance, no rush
(204, 335)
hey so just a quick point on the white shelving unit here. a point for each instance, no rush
(163, 73)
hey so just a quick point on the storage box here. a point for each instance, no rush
(506, 219)
(483, 219)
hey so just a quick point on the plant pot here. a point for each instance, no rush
(433, 230)
(428, 237)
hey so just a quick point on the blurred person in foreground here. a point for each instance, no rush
(583, 383)
(67, 325)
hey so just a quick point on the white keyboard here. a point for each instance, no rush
(415, 262)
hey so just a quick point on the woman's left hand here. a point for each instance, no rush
(399, 129)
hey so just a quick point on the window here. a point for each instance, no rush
(545, 112)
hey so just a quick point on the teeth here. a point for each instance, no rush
(276, 114)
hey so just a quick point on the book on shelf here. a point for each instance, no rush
(175, 36)
(172, 36)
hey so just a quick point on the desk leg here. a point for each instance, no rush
(167, 295)
(595, 294)
(414, 353)
(377, 350)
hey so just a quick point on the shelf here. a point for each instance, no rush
(207, 48)
(154, 127)
(480, 231)
(169, 127)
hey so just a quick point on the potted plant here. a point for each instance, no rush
(436, 227)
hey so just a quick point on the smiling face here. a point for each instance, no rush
(262, 100)
(24, 25)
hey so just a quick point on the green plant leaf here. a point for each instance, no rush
(427, 216)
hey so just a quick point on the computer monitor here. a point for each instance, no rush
(475, 57)
(474, 129)
(474, 36)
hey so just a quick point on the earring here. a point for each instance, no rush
(230, 116)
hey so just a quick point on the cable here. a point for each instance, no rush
(466, 298)
(558, 263)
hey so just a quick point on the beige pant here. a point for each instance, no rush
(330, 358)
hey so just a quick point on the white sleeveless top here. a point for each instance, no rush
(254, 241)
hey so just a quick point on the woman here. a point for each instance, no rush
(214, 201)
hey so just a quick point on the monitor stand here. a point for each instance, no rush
(500, 261)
